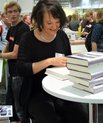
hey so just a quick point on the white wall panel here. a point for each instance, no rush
(2, 4)
(26, 5)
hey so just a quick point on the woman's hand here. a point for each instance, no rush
(55, 61)
(58, 61)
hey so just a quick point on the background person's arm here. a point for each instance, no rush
(10, 55)
(94, 46)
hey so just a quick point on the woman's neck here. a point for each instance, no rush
(42, 36)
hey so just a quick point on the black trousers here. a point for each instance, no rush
(72, 112)
(13, 92)
(57, 111)
(10, 100)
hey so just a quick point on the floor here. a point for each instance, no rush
(3, 121)
(100, 114)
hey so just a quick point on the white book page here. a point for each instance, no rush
(1, 67)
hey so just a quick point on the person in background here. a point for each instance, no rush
(46, 46)
(10, 52)
(97, 33)
(89, 24)
(83, 21)
(74, 23)
(0, 16)
(97, 44)
(68, 19)
(27, 20)
(86, 32)
(4, 26)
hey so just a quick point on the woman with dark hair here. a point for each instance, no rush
(38, 50)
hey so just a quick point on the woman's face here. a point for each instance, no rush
(50, 25)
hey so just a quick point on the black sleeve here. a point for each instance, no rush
(23, 62)
(63, 43)
(67, 45)
(22, 30)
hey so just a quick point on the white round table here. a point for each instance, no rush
(64, 90)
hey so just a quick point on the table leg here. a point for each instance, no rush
(93, 113)
(90, 113)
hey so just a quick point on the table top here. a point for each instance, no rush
(64, 90)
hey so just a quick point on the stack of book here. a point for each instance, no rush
(61, 73)
(86, 71)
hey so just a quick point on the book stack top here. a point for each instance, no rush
(86, 59)
(86, 70)
(61, 73)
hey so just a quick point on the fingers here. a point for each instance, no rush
(59, 61)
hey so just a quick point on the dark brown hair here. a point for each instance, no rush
(53, 7)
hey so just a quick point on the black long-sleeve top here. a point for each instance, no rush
(32, 50)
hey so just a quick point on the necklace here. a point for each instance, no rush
(46, 40)
(41, 37)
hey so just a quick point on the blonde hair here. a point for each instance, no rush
(99, 16)
(75, 16)
(89, 13)
(11, 4)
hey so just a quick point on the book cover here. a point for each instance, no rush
(93, 90)
(61, 73)
(86, 75)
(88, 69)
(87, 82)
(85, 59)
(6, 111)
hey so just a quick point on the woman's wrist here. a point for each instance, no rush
(49, 61)
(0, 55)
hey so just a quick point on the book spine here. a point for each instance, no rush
(84, 75)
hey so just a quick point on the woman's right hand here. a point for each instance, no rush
(58, 61)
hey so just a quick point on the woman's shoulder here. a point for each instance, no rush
(27, 36)
(61, 32)
(62, 36)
